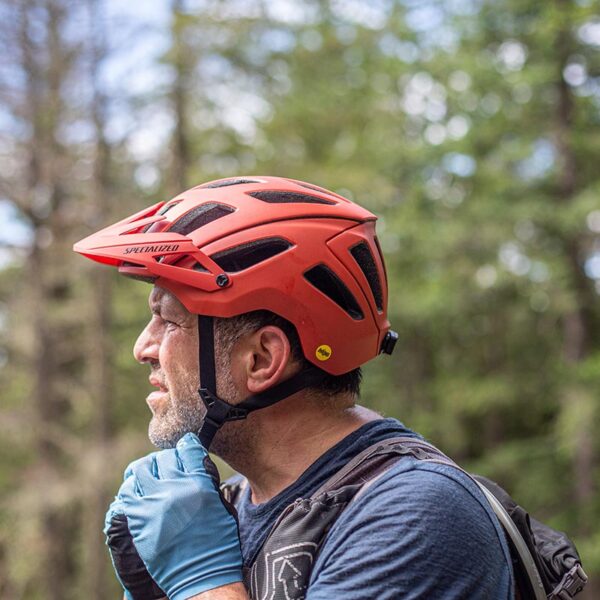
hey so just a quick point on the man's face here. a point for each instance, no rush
(169, 344)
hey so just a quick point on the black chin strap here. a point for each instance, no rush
(218, 411)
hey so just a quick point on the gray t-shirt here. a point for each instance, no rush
(422, 530)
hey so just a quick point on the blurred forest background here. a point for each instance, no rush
(470, 126)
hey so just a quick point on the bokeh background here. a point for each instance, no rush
(471, 127)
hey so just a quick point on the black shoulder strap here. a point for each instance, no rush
(378, 458)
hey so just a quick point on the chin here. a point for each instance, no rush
(162, 437)
(165, 430)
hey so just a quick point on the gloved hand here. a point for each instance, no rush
(169, 531)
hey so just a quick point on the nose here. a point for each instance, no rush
(145, 349)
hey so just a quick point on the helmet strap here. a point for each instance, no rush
(218, 411)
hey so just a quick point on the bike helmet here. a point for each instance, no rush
(237, 245)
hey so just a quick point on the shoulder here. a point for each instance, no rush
(424, 527)
(430, 493)
(412, 484)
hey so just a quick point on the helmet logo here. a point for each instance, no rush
(159, 248)
(323, 352)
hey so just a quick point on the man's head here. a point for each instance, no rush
(287, 267)
(253, 352)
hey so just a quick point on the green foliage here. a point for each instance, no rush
(475, 141)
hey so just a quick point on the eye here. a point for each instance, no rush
(162, 319)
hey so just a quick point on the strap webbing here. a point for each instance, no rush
(206, 353)
(218, 411)
(303, 379)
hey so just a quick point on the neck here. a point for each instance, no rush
(272, 450)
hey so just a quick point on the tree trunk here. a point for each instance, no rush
(46, 65)
(99, 364)
(577, 322)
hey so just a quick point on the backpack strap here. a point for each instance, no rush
(535, 581)
(422, 450)
(377, 459)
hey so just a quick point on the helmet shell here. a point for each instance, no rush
(263, 243)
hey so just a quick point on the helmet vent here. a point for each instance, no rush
(277, 197)
(226, 182)
(241, 257)
(161, 225)
(188, 261)
(200, 216)
(155, 227)
(167, 207)
(381, 257)
(362, 255)
(326, 281)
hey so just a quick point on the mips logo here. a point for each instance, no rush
(323, 352)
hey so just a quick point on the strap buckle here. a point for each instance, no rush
(571, 584)
(218, 411)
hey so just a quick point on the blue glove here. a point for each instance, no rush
(169, 531)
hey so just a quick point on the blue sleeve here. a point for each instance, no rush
(421, 531)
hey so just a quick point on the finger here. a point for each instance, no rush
(145, 473)
(191, 453)
(129, 469)
(168, 465)
(129, 489)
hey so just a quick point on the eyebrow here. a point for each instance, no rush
(155, 301)
(163, 302)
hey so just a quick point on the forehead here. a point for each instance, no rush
(162, 299)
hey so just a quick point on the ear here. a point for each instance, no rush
(266, 357)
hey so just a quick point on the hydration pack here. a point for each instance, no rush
(546, 564)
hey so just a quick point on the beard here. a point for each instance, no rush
(182, 412)
(181, 416)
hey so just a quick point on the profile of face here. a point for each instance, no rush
(169, 345)
(253, 362)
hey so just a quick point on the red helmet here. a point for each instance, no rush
(236, 245)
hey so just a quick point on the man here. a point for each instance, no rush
(268, 296)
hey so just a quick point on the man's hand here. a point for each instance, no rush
(169, 531)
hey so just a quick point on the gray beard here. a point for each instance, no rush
(187, 414)
(181, 418)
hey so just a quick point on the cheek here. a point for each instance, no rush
(179, 358)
